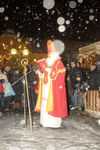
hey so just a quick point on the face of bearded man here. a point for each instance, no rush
(51, 59)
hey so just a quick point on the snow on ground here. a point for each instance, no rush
(79, 131)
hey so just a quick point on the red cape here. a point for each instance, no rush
(59, 90)
(57, 101)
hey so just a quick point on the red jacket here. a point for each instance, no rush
(1, 87)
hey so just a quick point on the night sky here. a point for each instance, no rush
(32, 20)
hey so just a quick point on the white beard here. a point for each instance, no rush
(50, 60)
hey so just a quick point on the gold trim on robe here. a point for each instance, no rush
(38, 104)
(50, 99)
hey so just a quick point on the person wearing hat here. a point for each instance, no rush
(52, 102)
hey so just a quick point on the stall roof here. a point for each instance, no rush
(94, 47)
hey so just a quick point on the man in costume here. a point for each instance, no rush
(51, 102)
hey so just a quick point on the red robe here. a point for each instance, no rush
(57, 102)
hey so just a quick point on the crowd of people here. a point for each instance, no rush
(53, 92)
(12, 87)
(78, 81)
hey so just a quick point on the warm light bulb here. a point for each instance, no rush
(34, 59)
(13, 51)
(25, 52)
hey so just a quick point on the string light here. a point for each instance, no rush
(13, 51)
(25, 52)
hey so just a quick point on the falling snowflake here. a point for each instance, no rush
(2, 9)
(19, 40)
(67, 21)
(6, 18)
(29, 11)
(17, 7)
(80, 25)
(52, 36)
(40, 14)
(63, 34)
(91, 17)
(60, 20)
(38, 45)
(18, 34)
(71, 19)
(30, 39)
(6, 6)
(91, 11)
(47, 11)
(75, 10)
(72, 4)
(36, 18)
(48, 4)
(59, 46)
(79, 37)
(96, 19)
(71, 16)
(20, 27)
(68, 14)
(37, 39)
(61, 28)
(16, 24)
(87, 22)
(14, 11)
(80, 1)
(52, 12)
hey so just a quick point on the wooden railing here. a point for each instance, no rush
(91, 100)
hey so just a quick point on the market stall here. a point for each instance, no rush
(89, 54)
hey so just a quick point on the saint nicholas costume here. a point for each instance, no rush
(52, 102)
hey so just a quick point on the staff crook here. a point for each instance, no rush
(24, 63)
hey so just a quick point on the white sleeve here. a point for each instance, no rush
(48, 69)
(39, 73)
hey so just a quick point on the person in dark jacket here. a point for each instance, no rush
(90, 77)
(32, 95)
(18, 88)
(97, 75)
(68, 88)
(76, 84)
(82, 71)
